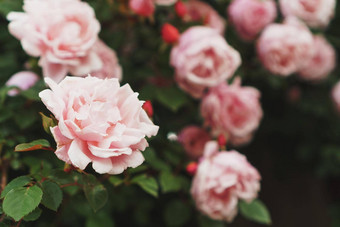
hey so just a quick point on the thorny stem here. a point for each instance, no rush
(19, 223)
(4, 168)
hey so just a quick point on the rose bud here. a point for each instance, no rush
(170, 34)
(191, 168)
(222, 140)
(147, 106)
(180, 9)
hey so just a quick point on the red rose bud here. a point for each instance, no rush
(147, 106)
(180, 9)
(191, 168)
(222, 141)
(170, 34)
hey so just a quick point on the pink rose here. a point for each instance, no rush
(201, 11)
(336, 96)
(99, 122)
(232, 110)
(142, 7)
(202, 58)
(251, 16)
(193, 139)
(316, 13)
(23, 80)
(285, 48)
(111, 67)
(222, 178)
(62, 33)
(322, 62)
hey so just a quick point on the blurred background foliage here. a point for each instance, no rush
(296, 149)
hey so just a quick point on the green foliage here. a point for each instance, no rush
(21, 201)
(34, 215)
(96, 193)
(176, 213)
(255, 211)
(15, 183)
(169, 182)
(148, 184)
(52, 195)
(40, 144)
(48, 122)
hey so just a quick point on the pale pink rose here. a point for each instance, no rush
(251, 16)
(142, 7)
(62, 33)
(322, 63)
(23, 80)
(285, 48)
(111, 67)
(193, 139)
(222, 178)
(336, 96)
(232, 110)
(201, 11)
(202, 59)
(316, 13)
(98, 122)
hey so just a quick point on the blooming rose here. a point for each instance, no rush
(193, 139)
(251, 16)
(316, 13)
(322, 62)
(147, 7)
(62, 33)
(111, 67)
(98, 122)
(285, 48)
(23, 80)
(336, 96)
(201, 11)
(232, 110)
(222, 178)
(202, 58)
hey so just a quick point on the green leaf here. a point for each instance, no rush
(15, 183)
(34, 215)
(7, 6)
(148, 184)
(155, 162)
(255, 211)
(169, 182)
(115, 181)
(177, 213)
(52, 195)
(34, 145)
(21, 201)
(95, 192)
(172, 98)
(48, 122)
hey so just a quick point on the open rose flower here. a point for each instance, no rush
(232, 110)
(315, 13)
(193, 139)
(322, 62)
(203, 12)
(285, 48)
(62, 33)
(250, 16)
(222, 178)
(110, 66)
(23, 80)
(202, 59)
(98, 122)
